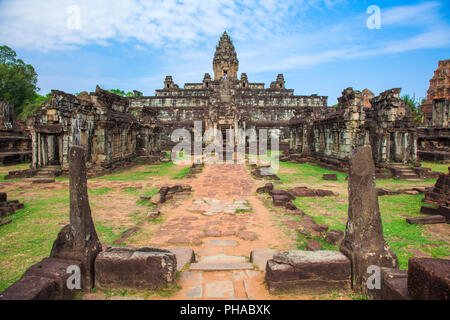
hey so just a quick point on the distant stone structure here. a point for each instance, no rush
(434, 135)
(387, 125)
(101, 122)
(15, 141)
(113, 129)
(437, 113)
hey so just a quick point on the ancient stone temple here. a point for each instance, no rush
(226, 103)
(435, 112)
(114, 128)
(15, 141)
(387, 125)
(101, 122)
(434, 135)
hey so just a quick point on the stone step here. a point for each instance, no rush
(407, 173)
(220, 266)
(426, 220)
(42, 180)
(221, 258)
(222, 243)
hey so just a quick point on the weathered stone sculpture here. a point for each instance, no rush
(78, 240)
(364, 242)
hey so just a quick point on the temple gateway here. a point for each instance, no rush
(114, 129)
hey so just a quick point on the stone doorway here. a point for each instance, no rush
(228, 141)
(50, 150)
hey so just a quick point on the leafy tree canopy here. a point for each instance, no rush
(33, 105)
(18, 80)
(121, 93)
(414, 105)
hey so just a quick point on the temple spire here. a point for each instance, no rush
(225, 63)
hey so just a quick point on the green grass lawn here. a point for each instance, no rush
(30, 236)
(147, 172)
(438, 167)
(305, 173)
(401, 236)
(4, 170)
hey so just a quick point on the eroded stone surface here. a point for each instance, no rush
(364, 243)
(311, 272)
(261, 256)
(429, 279)
(78, 240)
(141, 268)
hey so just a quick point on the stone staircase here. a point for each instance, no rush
(47, 174)
(216, 275)
(405, 173)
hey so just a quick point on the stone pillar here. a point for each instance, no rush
(78, 240)
(34, 148)
(61, 151)
(51, 147)
(364, 242)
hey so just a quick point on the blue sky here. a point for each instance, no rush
(321, 47)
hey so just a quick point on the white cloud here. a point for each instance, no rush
(269, 35)
(42, 25)
(423, 13)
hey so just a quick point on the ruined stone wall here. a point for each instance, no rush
(393, 132)
(387, 125)
(331, 136)
(15, 140)
(101, 122)
(439, 90)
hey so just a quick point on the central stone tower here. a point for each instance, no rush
(225, 63)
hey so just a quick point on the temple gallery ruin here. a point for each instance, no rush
(321, 226)
(115, 129)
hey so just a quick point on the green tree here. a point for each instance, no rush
(121, 93)
(117, 91)
(33, 105)
(414, 106)
(18, 80)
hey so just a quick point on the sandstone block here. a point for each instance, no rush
(429, 279)
(45, 280)
(135, 268)
(308, 272)
(261, 256)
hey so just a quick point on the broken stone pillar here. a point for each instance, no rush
(78, 240)
(364, 242)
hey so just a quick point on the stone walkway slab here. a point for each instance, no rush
(222, 258)
(184, 256)
(260, 257)
(222, 243)
(226, 266)
(194, 293)
(219, 289)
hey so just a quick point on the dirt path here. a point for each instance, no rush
(226, 239)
